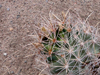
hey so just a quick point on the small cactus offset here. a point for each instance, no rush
(70, 45)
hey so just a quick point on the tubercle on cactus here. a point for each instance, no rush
(68, 47)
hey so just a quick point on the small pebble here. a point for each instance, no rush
(46, 0)
(11, 29)
(8, 9)
(0, 5)
(5, 54)
(24, 3)
(14, 1)
(11, 21)
(19, 71)
(18, 16)
(61, 0)
(25, 61)
(33, 73)
(12, 72)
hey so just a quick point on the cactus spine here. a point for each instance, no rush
(69, 47)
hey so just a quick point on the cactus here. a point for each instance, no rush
(69, 46)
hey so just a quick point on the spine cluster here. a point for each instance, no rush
(71, 46)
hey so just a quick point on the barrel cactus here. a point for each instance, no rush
(70, 45)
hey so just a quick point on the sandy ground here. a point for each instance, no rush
(17, 21)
